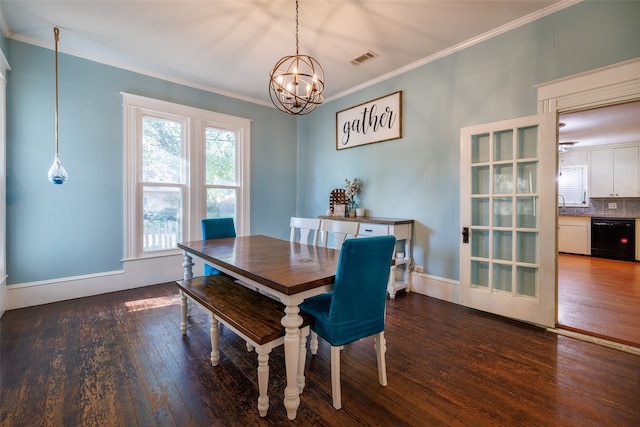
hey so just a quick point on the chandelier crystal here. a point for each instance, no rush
(297, 82)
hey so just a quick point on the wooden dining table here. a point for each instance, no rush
(287, 270)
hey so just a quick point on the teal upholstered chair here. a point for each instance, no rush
(355, 308)
(216, 228)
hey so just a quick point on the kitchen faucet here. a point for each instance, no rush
(563, 204)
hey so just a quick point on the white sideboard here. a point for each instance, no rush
(400, 275)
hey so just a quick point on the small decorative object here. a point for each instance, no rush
(57, 174)
(337, 197)
(374, 121)
(360, 212)
(339, 210)
(351, 190)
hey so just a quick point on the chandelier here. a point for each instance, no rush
(57, 174)
(296, 82)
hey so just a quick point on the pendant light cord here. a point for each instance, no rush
(56, 33)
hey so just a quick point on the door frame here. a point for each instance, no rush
(613, 84)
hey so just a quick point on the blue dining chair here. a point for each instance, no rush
(355, 309)
(216, 228)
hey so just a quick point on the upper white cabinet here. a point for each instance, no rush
(614, 172)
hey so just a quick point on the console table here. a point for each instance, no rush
(401, 229)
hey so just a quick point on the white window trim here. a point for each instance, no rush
(134, 105)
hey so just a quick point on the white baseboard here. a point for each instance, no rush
(136, 273)
(151, 271)
(436, 287)
(3, 294)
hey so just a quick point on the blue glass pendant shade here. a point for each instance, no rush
(57, 173)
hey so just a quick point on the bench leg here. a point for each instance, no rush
(214, 331)
(183, 310)
(314, 343)
(263, 379)
(302, 357)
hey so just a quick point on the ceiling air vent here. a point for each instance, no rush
(364, 58)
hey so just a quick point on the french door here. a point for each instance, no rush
(508, 214)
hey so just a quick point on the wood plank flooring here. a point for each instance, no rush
(600, 297)
(120, 360)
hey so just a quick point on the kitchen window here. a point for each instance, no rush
(572, 186)
(182, 164)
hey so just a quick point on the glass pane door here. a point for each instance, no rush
(500, 206)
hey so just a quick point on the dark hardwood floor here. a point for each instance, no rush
(120, 360)
(600, 297)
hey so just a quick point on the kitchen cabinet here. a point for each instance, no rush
(400, 273)
(574, 234)
(614, 172)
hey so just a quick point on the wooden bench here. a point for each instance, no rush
(253, 316)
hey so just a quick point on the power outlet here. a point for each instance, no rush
(418, 269)
(613, 206)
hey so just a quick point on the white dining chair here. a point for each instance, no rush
(304, 230)
(338, 230)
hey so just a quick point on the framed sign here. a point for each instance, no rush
(374, 121)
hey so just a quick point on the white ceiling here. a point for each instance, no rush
(229, 46)
(615, 124)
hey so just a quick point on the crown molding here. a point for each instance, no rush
(461, 46)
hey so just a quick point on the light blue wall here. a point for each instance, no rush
(418, 176)
(77, 228)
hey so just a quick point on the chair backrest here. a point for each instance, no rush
(340, 230)
(217, 228)
(304, 228)
(360, 289)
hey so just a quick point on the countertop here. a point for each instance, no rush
(576, 212)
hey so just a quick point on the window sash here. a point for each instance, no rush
(192, 189)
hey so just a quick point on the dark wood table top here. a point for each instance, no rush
(283, 266)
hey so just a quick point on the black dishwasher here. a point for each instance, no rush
(613, 238)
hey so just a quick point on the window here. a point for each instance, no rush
(572, 186)
(183, 164)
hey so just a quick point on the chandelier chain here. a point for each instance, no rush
(297, 51)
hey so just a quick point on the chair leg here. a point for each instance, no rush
(314, 343)
(214, 332)
(381, 349)
(335, 377)
(302, 356)
(183, 312)
(263, 379)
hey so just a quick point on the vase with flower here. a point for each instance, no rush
(351, 191)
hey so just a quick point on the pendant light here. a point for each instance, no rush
(296, 82)
(57, 173)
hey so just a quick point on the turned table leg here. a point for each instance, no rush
(291, 322)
